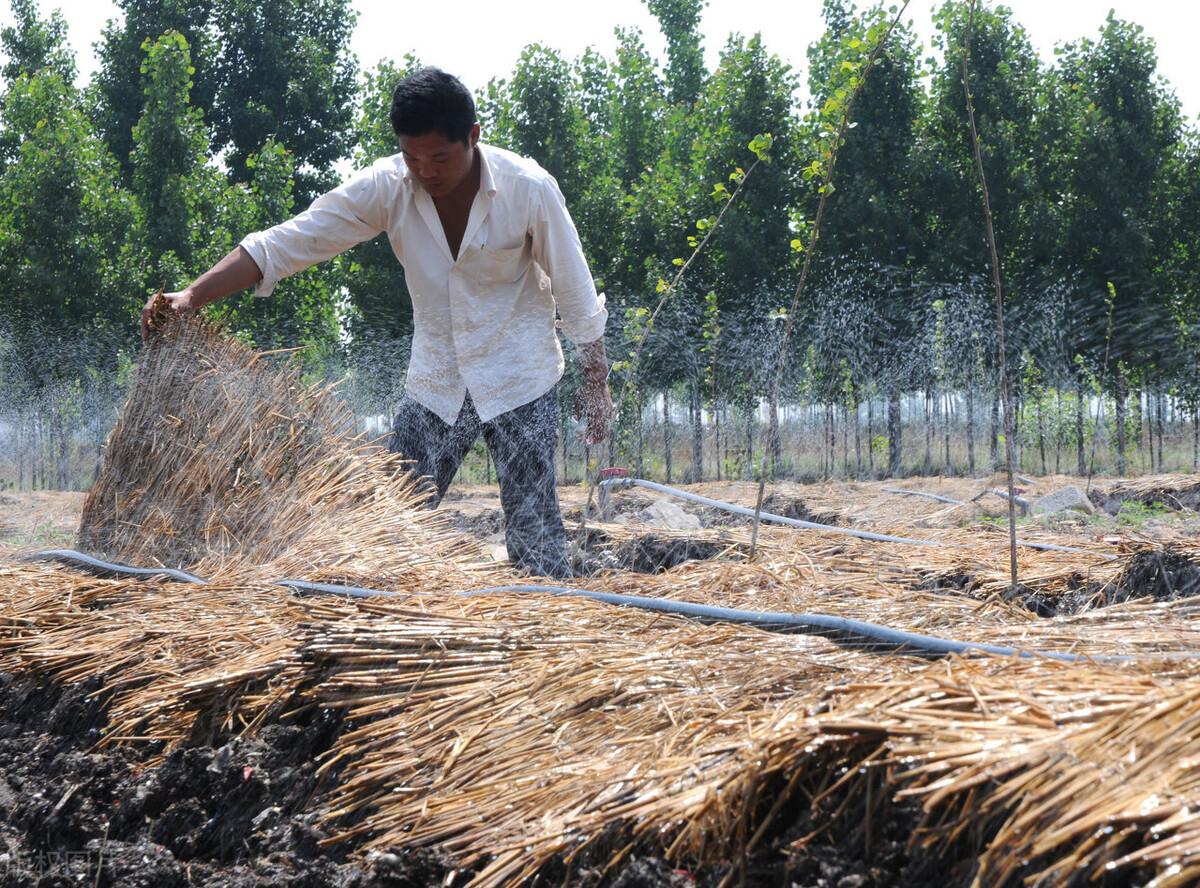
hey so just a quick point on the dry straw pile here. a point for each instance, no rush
(514, 730)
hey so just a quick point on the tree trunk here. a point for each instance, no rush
(1196, 438)
(830, 443)
(1146, 413)
(19, 436)
(858, 462)
(667, 432)
(970, 428)
(994, 434)
(774, 444)
(928, 467)
(894, 430)
(1119, 396)
(697, 436)
(871, 434)
(641, 441)
(38, 469)
(749, 473)
(1041, 432)
(1057, 426)
(1159, 429)
(845, 440)
(63, 432)
(1080, 459)
(1017, 403)
(719, 458)
(946, 431)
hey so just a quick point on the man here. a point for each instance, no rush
(489, 253)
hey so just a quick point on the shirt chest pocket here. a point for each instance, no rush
(489, 265)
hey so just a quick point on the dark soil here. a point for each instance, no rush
(961, 583)
(1175, 499)
(225, 816)
(481, 525)
(236, 816)
(623, 502)
(794, 507)
(1162, 574)
(773, 503)
(1159, 574)
(649, 553)
(653, 554)
(840, 853)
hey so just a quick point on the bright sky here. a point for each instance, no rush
(480, 39)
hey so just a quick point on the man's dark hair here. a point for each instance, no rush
(429, 101)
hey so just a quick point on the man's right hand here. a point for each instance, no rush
(179, 302)
(236, 271)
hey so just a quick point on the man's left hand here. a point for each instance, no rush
(593, 403)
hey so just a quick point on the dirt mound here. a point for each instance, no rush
(774, 503)
(1172, 493)
(1157, 574)
(654, 554)
(236, 816)
(647, 553)
(232, 815)
(795, 507)
(1160, 574)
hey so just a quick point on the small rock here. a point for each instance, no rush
(1065, 499)
(220, 760)
(664, 513)
(264, 815)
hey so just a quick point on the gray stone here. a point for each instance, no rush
(1065, 499)
(666, 514)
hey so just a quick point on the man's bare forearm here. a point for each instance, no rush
(235, 272)
(593, 359)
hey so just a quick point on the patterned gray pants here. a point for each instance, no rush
(521, 443)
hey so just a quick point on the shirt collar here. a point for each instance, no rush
(487, 182)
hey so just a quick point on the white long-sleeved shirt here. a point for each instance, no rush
(483, 323)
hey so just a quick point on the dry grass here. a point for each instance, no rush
(509, 730)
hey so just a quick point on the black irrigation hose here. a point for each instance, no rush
(821, 624)
(619, 483)
(70, 556)
(306, 587)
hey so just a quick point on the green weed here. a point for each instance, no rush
(1136, 514)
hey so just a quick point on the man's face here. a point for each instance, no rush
(438, 163)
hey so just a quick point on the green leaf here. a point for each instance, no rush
(760, 145)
